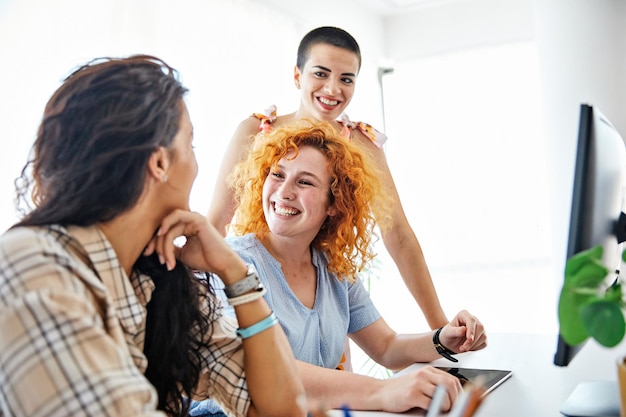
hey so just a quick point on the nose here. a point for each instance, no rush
(286, 190)
(332, 86)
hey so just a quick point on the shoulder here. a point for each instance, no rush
(268, 114)
(243, 244)
(28, 254)
(266, 119)
(372, 134)
(249, 127)
(22, 243)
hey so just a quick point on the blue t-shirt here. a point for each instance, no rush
(317, 336)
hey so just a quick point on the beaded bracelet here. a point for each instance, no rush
(246, 298)
(441, 349)
(264, 324)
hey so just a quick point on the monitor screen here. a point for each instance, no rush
(597, 198)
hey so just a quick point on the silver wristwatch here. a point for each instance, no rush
(250, 282)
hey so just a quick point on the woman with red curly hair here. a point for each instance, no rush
(308, 204)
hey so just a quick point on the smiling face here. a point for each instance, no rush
(327, 81)
(295, 194)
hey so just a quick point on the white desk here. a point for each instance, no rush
(537, 388)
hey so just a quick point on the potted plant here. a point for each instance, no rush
(588, 307)
(591, 307)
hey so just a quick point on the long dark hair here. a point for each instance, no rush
(88, 165)
(329, 35)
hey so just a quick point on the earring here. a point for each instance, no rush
(164, 178)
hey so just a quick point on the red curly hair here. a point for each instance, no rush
(355, 191)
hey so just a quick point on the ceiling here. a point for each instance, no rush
(395, 7)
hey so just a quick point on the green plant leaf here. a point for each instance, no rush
(585, 269)
(570, 323)
(614, 293)
(585, 312)
(589, 275)
(580, 259)
(604, 321)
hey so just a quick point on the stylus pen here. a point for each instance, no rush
(435, 403)
(474, 400)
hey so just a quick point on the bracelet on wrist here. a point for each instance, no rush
(248, 283)
(256, 328)
(246, 298)
(441, 349)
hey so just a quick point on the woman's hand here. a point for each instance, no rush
(203, 250)
(464, 333)
(416, 389)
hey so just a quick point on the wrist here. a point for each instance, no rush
(249, 283)
(441, 349)
(234, 272)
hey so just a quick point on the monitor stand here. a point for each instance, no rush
(593, 399)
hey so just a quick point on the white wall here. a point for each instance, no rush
(582, 50)
(235, 56)
(453, 25)
(479, 119)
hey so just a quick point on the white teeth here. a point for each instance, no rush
(284, 211)
(328, 102)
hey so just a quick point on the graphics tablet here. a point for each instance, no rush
(490, 379)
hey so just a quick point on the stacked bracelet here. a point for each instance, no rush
(441, 349)
(264, 324)
(246, 298)
(248, 283)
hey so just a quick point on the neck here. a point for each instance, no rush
(129, 234)
(286, 251)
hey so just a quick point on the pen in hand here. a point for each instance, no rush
(435, 403)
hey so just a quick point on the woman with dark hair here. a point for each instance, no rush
(100, 312)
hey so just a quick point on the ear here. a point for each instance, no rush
(296, 76)
(331, 211)
(158, 164)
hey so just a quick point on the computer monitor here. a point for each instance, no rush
(597, 204)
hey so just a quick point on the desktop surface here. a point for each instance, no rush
(537, 387)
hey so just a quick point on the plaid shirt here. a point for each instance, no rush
(72, 329)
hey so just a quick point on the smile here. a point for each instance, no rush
(327, 101)
(285, 211)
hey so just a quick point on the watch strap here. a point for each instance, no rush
(441, 349)
(250, 282)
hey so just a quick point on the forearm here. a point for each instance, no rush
(222, 207)
(271, 374)
(272, 378)
(334, 388)
(406, 349)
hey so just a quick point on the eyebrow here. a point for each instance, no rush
(302, 173)
(351, 74)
